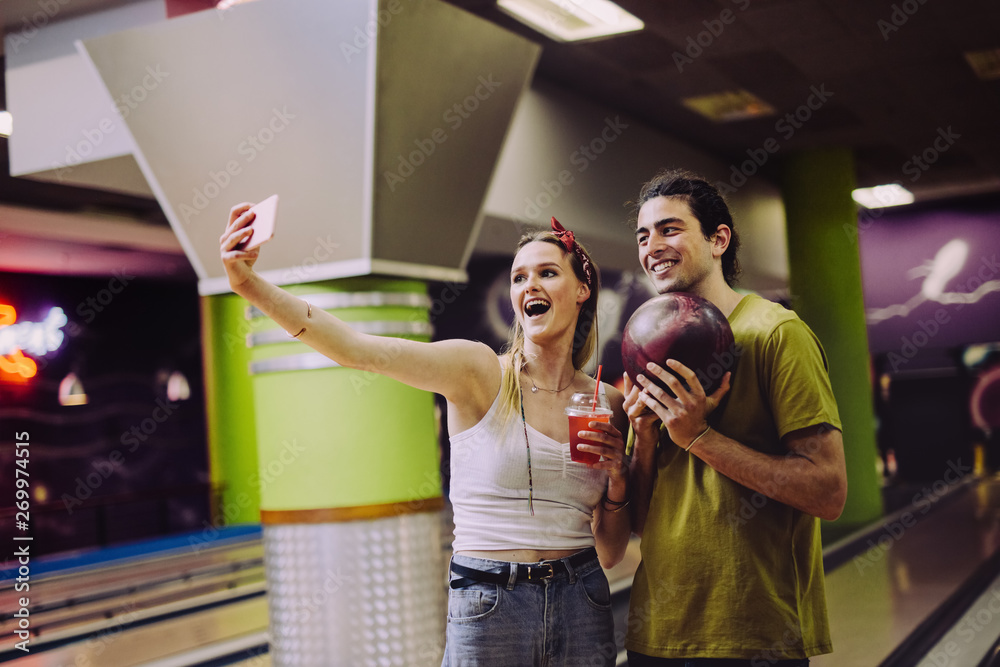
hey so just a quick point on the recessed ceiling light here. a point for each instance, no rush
(729, 106)
(881, 196)
(572, 20)
(6, 123)
(986, 64)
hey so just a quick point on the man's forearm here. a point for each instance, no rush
(809, 478)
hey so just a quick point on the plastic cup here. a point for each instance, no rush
(581, 412)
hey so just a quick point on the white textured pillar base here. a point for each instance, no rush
(357, 593)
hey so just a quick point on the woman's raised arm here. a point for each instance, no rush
(459, 370)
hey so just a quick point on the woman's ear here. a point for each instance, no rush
(583, 294)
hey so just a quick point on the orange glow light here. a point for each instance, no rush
(40, 338)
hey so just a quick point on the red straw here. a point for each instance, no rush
(596, 387)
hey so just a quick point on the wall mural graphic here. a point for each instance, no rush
(931, 281)
(947, 263)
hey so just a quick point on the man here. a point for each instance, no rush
(728, 490)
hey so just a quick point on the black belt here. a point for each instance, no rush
(530, 572)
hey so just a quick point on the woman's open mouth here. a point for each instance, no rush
(535, 307)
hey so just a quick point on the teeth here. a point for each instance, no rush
(663, 265)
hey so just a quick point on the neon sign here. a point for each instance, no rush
(36, 338)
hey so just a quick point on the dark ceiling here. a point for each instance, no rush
(894, 77)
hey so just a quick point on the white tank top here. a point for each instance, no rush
(489, 489)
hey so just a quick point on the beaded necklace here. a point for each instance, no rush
(524, 423)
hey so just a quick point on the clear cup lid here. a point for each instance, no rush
(583, 403)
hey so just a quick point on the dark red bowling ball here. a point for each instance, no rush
(684, 327)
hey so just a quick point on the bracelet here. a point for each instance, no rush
(707, 429)
(309, 314)
(619, 505)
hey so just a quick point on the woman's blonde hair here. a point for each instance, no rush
(584, 337)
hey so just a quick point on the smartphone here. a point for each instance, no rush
(263, 224)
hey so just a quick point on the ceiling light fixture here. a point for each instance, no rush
(986, 64)
(728, 106)
(572, 20)
(881, 196)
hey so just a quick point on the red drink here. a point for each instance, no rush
(580, 421)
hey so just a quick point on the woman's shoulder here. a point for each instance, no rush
(615, 397)
(470, 351)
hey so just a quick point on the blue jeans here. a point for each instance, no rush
(640, 660)
(563, 621)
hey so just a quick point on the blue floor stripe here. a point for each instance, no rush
(98, 557)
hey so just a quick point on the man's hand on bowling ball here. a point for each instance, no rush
(645, 422)
(613, 449)
(684, 414)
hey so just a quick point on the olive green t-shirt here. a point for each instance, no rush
(727, 572)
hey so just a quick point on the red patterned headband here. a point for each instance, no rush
(569, 242)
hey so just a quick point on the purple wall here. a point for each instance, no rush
(956, 251)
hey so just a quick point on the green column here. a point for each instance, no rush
(232, 433)
(350, 492)
(825, 282)
(337, 444)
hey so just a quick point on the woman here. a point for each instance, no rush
(532, 528)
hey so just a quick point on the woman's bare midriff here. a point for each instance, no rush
(520, 555)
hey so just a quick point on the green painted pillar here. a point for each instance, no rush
(353, 438)
(232, 432)
(348, 469)
(825, 277)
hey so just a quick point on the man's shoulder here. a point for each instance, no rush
(761, 317)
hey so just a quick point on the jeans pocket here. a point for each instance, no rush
(472, 602)
(596, 588)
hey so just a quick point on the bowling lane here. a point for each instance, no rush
(880, 596)
(972, 638)
(188, 639)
